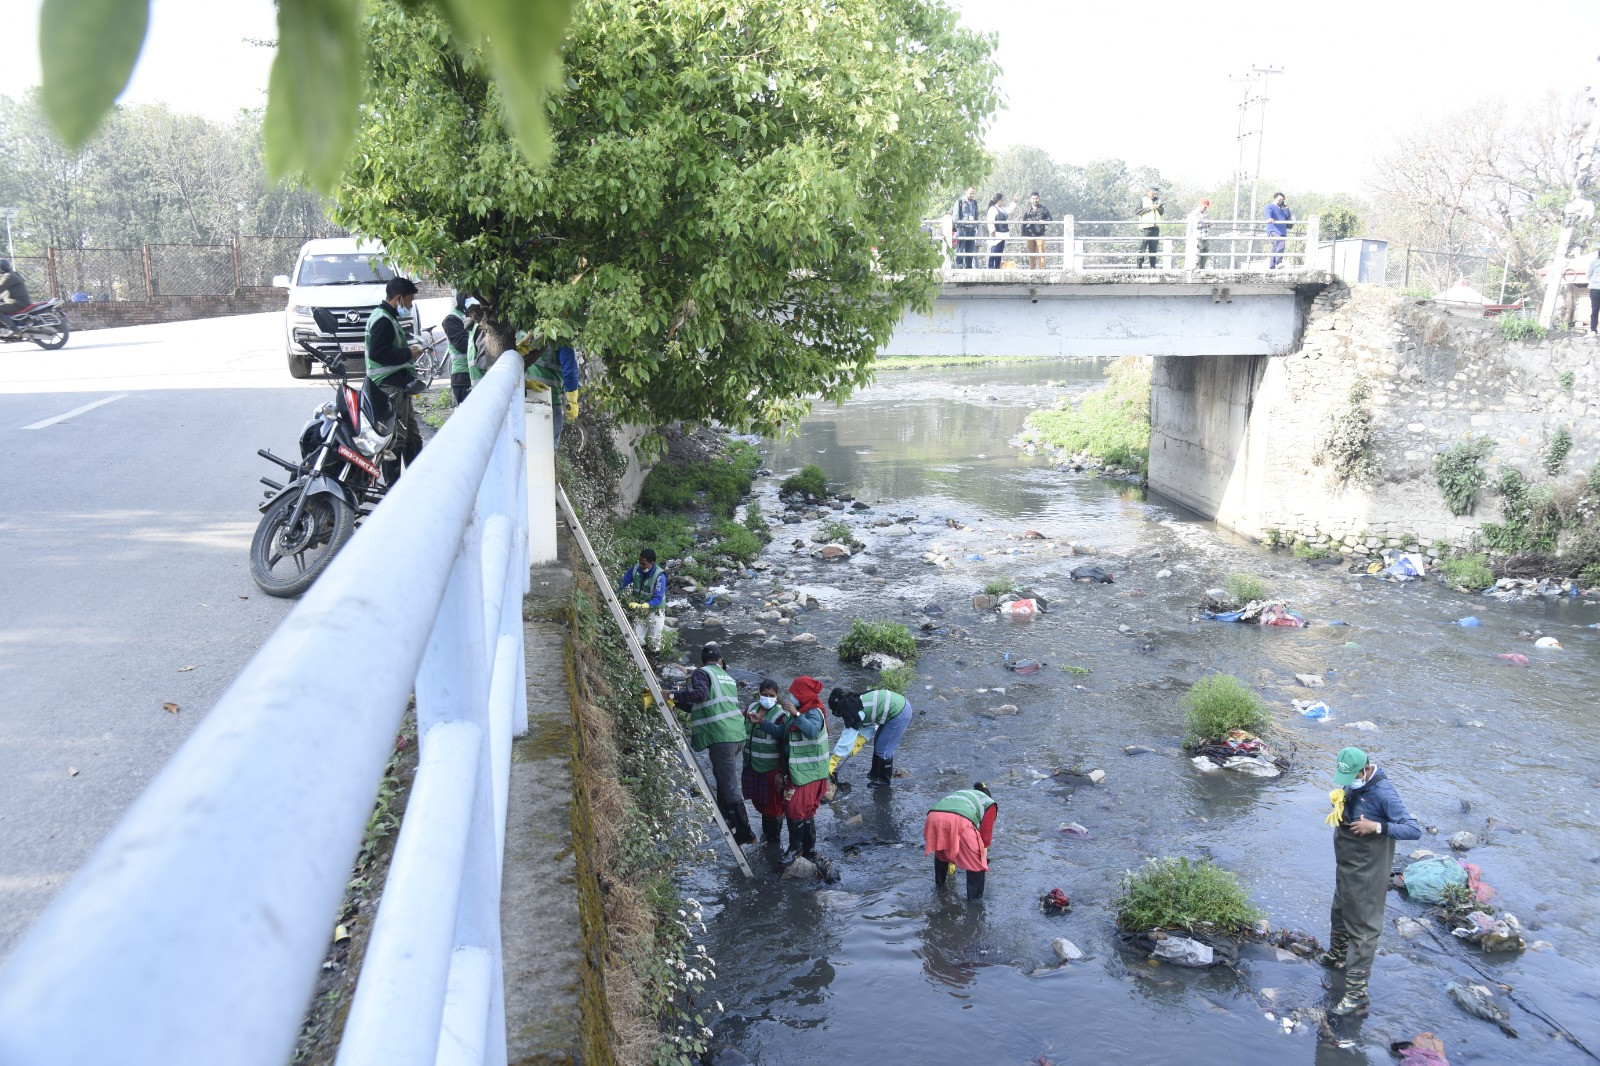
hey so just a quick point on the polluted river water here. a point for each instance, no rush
(879, 967)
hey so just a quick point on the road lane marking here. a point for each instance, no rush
(76, 411)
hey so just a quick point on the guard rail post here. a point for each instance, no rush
(1071, 260)
(1313, 235)
(541, 481)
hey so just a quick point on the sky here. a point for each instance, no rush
(1153, 83)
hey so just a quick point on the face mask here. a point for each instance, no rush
(769, 702)
(1358, 784)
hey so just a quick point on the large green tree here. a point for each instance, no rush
(730, 218)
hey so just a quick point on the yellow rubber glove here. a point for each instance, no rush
(1335, 816)
(535, 385)
(571, 405)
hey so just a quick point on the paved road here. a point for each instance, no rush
(129, 488)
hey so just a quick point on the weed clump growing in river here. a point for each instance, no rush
(1179, 894)
(837, 532)
(811, 478)
(1304, 549)
(1242, 588)
(1470, 572)
(1111, 424)
(1000, 586)
(716, 484)
(1218, 703)
(864, 638)
(897, 678)
(736, 542)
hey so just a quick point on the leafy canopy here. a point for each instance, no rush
(730, 223)
(88, 48)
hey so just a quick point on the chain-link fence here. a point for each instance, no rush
(1431, 273)
(99, 273)
(262, 258)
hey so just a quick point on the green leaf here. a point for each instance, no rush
(314, 93)
(87, 49)
(523, 40)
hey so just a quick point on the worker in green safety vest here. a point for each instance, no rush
(460, 328)
(551, 370)
(792, 743)
(717, 723)
(390, 369)
(958, 832)
(889, 711)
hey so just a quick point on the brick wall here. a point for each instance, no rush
(246, 301)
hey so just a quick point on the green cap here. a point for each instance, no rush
(1351, 762)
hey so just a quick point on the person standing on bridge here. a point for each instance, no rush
(1033, 228)
(1199, 227)
(1278, 218)
(999, 229)
(1150, 212)
(717, 723)
(965, 228)
(1594, 292)
(390, 370)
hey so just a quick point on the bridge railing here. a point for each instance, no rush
(1237, 245)
(196, 931)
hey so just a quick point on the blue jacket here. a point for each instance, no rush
(1379, 801)
(658, 593)
(1276, 219)
(808, 725)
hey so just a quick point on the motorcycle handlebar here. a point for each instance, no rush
(335, 366)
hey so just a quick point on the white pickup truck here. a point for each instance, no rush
(344, 278)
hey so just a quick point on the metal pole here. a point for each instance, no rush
(1558, 262)
(1261, 132)
(11, 253)
(603, 580)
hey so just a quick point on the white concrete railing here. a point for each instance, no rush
(196, 931)
(1241, 245)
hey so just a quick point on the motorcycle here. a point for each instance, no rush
(338, 478)
(42, 323)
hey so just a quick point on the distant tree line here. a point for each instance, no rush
(148, 177)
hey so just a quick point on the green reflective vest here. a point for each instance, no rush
(378, 372)
(459, 359)
(473, 369)
(969, 803)
(764, 752)
(544, 366)
(880, 705)
(718, 720)
(808, 759)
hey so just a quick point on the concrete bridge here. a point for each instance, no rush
(1211, 334)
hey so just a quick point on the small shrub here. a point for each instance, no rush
(864, 638)
(897, 678)
(756, 522)
(1555, 452)
(1272, 536)
(1593, 480)
(1111, 424)
(1469, 572)
(1519, 328)
(1416, 293)
(1076, 671)
(736, 542)
(811, 478)
(837, 532)
(1000, 586)
(669, 646)
(1218, 703)
(717, 484)
(1589, 576)
(1460, 475)
(671, 535)
(1304, 549)
(1179, 894)
(1242, 588)
(1566, 380)
(1348, 444)
(1441, 546)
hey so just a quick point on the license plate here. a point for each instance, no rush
(353, 346)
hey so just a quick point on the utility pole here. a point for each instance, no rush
(1577, 209)
(1238, 165)
(1261, 132)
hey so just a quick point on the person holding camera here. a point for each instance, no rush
(1150, 212)
(1033, 220)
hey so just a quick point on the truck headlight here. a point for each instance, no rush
(303, 310)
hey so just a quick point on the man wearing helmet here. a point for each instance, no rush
(13, 295)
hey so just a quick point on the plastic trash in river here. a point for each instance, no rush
(1547, 642)
(1091, 573)
(1470, 621)
(1309, 709)
(1055, 901)
(1514, 658)
(1276, 614)
(1023, 666)
(1408, 566)
(1019, 609)
(1479, 1002)
(1185, 952)
(1222, 616)
(974, 558)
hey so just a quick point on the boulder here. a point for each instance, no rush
(1310, 680)
(834, 552)
(896, 530)
(1066, 950)
(1464, 841)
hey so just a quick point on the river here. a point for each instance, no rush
(879, 968)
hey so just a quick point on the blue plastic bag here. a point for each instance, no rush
(1316, 710)
(1426, 879)
(1470, 621)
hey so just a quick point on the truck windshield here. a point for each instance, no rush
(343, 269)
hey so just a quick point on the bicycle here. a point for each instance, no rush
(434, 357)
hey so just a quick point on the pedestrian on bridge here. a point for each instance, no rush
(1033, 229)
(999, 229)
(644, 589)
(958, 832)
(1594, 293)
(1150, 211)
(717, 723)
(965, 229)
(1278, 218)
(1199, 226)
(889, 711)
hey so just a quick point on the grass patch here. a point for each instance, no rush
(1469, 572)
(1218, 703)
(1272, 537)
(1076, 671)
(1178, 894)
(1000, 586)
(864, 638)
(736, 542)
(1566, 380)
(811, 479)
(1304, 549)
(1242, 588)
(897, 678)
(1518, 327)
(716, 484)
(837, 532)
(756, 522)
(1589, 576)
(1111, 424)
(671, 535)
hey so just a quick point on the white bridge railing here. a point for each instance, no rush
(195, 933)
(1069, 244)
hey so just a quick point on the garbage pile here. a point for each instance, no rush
(1445, 882)
(1258, 612)
(1241, 751)
(1182, 947)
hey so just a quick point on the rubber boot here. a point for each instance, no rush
(885, 772)
(739, 822)
(772, 829)
(792, 852)
(877, 769)
(840, 787)
(1333, 958)
(941, 870)
(808, 839)
(1356, 1002)
(975, 884)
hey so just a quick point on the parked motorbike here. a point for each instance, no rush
(338, 478)
(43, 323)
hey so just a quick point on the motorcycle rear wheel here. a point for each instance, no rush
(57, 340)
(285, 561)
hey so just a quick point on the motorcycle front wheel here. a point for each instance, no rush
(56, 335)
(285, 559)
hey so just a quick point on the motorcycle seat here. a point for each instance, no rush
(30, 307)
(376, 410)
